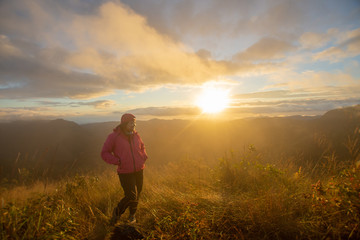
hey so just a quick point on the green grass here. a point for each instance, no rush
(241, 197)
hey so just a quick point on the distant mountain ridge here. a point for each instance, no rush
(58, 147)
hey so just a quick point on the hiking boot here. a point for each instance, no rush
(132, 219)
(113, 220)
(114, 217)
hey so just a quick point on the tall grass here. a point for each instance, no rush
(242, 197)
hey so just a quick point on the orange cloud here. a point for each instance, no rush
(86, 56)
(120, 46)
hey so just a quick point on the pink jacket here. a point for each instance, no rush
(128, 152)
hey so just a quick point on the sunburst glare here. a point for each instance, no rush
(213, 100)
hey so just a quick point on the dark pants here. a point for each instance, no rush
(132, 185)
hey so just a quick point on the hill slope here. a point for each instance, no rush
(59, 147)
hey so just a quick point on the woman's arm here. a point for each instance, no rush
(107, 150)
(143, 148)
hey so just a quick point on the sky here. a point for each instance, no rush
(92, 61)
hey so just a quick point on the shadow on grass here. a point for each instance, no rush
(125, 232)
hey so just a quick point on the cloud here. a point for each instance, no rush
(224, 19)
(166, 111)
(27, 71)
(211, 23)
(265, 49)
(325, 92)
(303, 101)
(50, 110)
(81, 50)
(288, 108)
(7, 48)
(138, 55)
(311, 40)
(317, 80)
(272, 94)
(203, 53)
(348, 46)
(27, 113)
(100, 104)
(118, 51)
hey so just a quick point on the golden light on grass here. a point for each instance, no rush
(213, 100)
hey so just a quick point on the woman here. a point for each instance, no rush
(124, 148)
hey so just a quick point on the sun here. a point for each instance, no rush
(213, 100)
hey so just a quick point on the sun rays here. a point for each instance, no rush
(213, 100)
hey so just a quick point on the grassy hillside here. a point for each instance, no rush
(241, 196)
(271, 178)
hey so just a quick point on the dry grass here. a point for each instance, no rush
(243, 197)
(20, 194)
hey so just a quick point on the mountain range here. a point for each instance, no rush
(57, 148)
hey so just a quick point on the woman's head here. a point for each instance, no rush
(128, 122)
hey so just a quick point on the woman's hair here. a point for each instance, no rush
(125, 119)
(121, 126)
